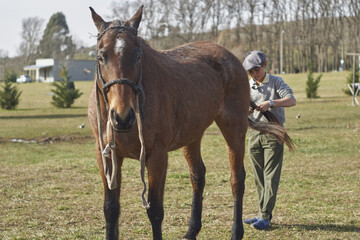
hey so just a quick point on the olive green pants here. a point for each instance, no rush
(266, 156)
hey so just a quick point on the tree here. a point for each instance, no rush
(349, 80)
(31, 34)
(187, 13)
(9, 95)
(312, 84)
(65, 92)
(353, 19)
(56, 41)
(124, 9)
(250, 29)
(10, 75)
(315, 31)
(4, 56)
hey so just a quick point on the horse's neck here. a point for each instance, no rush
(152, 59)
(147, 49)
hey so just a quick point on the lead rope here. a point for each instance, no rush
(111, 147)
(111, 180)
(142, 159)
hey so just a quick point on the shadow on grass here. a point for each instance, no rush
(49, 116)
(317, 227)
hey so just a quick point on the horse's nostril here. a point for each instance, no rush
(130, 117)
(115, 119)
(120, 124)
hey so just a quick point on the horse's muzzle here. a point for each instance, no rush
(122, 125)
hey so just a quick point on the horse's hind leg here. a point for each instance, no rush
(234, 131)
(197, 176)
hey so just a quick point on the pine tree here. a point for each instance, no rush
(312, 84)
(349, 80)
(9, 95)
(10, 75)
(65, 92)
(56, 41)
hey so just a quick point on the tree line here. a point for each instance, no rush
(310, 32)
(294, 34)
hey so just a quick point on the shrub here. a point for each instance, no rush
(349, 80)
(10, 76)
(312, 84)
(9, 95)
(65, 92)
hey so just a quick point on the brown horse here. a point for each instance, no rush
(151, 101)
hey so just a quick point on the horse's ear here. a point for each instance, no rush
(99, 22)
(136, 19)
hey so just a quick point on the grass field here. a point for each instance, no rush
(52, 189)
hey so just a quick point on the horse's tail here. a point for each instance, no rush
(275, 130)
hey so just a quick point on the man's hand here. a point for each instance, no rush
(263, 107)
(250, 110)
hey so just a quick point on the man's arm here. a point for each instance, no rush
(283, 102)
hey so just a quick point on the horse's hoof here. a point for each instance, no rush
(189, 238)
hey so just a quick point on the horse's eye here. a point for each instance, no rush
(101, 57)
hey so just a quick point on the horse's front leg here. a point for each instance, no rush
(156, 165)
(112, 213)
(197, 177)
(111, 201)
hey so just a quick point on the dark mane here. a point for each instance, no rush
(144, 42)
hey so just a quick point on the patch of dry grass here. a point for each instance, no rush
(54, 191)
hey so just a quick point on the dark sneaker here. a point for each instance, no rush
(251, 220)
(261, 224)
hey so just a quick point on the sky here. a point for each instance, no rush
(77, 13)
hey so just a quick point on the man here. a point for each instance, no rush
(266, 154)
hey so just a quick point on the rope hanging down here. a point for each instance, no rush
(111, 146)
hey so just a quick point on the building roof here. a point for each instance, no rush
(34, 67)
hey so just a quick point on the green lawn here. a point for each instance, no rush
(54, 191)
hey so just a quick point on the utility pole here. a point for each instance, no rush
(342, 57)
(281, 51)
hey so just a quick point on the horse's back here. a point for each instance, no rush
(225, 67)
(216, 56)
(199, 80)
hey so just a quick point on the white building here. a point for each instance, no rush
(47, 70)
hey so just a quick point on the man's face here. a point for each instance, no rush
(257, 73)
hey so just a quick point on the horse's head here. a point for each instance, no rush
(119, 67)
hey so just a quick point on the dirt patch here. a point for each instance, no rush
(58, 139)
(48, 140)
